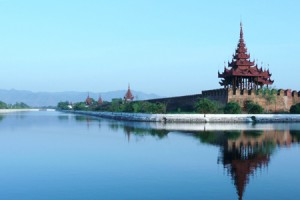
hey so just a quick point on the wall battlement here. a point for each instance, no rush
(284, 99)
(221, 92)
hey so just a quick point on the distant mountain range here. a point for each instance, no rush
(39, 99)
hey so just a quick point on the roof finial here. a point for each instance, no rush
(241, 30)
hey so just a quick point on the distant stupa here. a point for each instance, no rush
(128, 96)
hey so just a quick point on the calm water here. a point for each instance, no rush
(50, 155)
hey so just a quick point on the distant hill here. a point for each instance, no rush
(39, 99)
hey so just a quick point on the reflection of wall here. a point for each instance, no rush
(255, 138)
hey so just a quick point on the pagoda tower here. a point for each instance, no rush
(128, 96)
(88, 100)
(242, 73)
(100, 101)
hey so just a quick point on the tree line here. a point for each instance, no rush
(17, 105)
(117, 105)
(204, 105)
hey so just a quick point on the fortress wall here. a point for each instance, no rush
(284, 99)
(218, 95)
(182, 103)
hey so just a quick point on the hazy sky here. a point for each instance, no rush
(166, 47)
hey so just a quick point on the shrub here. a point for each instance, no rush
(295, 109)
(206, 106)
(147, 107)
(253, 108)
(232, 108)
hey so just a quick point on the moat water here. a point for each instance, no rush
(51, 155)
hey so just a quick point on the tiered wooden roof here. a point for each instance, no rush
(100, 101)
(88, 100)
(128, 96)
(243, 73)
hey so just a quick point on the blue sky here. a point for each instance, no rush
(165, 47)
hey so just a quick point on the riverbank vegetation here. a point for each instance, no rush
(17, 105)
(203, 106)
(117, 105)
(295, 109)
(232, 108)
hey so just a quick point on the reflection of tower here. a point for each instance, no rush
(242, 162)
(242, 153)
(248, 151)
(88, 122)
(127, 131)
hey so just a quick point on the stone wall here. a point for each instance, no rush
(218, 95)
(182, 103)
(284, 99)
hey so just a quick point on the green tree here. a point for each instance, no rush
(206, 106)
(20, 105)
(80, 106)
(3, 105)
(232, 108)
(147, 107)
(295, 109)
(63, 105)
(253, 108)
(116, 105)
(105, 106)
(126, 107)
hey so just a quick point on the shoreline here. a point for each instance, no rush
(193, 118)
(17, 110)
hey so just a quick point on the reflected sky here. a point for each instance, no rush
(50, 155)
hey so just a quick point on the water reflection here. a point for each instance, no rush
(244, 149)
(137, 129)
(141, 132)
(189, 163)
(242, 152)
(87, 119)
(1, 117)
(63, 117)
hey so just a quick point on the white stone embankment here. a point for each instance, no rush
(194, 118)
(17, 110)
